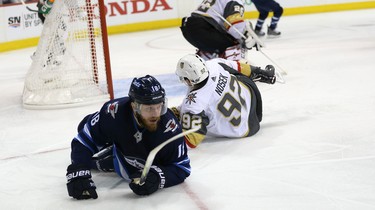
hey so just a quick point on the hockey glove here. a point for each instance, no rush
(176, 112)
(79, 182)
(44, 7)
(267, 75)
(150, 186)
(250, 41)
(103, 160)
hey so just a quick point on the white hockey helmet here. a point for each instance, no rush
(191, 67)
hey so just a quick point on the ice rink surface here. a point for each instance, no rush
(315, 149)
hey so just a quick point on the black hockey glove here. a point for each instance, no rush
(79, 182)
(150, 186)
(103, 160)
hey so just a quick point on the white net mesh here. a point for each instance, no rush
(68, 66)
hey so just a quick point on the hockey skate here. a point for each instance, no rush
(266, 75)
(259, 33)
(273, 33)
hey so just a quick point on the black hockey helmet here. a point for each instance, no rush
(146, 90)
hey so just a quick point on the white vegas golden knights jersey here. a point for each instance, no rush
(231, 10)
(224, 100)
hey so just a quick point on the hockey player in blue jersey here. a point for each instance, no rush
(265, 7)
(125, 130)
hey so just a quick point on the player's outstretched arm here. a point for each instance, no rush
(79, 183)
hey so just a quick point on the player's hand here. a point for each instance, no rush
(176, 112)
(79, 183)
(249, 43)
(150, 186)
(103, 160)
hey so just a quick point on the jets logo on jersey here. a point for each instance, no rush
(171, 126)
(191, 98)
(112, 109)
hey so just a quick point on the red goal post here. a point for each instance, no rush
(71, 66)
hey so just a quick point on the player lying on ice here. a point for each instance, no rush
(122, 134)
(222, 98)
(218, 29)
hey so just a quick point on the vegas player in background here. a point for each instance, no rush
(222, 98)
(119, 137)
(206, 30)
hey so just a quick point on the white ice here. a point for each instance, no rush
(315, 149)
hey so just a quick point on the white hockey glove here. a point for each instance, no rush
(250, 43)
(252, 40)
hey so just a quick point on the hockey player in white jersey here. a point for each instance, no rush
(222, 99)
(206, 30)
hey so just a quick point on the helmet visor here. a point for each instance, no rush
(152, 109)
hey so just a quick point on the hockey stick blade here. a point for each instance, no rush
(153, 153)
(279, 77)
(28, 8)
(32, 10)
(282, 71)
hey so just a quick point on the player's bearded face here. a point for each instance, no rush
(150, 115)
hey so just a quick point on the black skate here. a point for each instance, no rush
(259, 33)
(273, 32)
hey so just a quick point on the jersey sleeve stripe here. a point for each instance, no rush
(83, 142)
(184, 165)
(84, 137)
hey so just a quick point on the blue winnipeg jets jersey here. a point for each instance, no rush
(115, 125)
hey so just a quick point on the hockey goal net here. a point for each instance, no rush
(71, 65)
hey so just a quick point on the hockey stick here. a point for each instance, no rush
(28, 8)
(259, 44)
(278, 73)
(153, 153)
(258, 41)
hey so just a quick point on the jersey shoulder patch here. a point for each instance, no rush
(191, 98)
(112, 109)
(171, 125)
